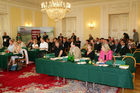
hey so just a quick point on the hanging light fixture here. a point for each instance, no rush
(56, 9)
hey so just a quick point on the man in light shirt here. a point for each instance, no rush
(43, 45)
(11, 46)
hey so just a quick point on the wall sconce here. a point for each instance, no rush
(28, 25)
(91, 25)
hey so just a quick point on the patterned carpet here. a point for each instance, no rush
(28, 81)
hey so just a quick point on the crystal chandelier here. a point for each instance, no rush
(56, 9)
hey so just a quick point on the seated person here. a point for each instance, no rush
(58, 50)
(97, 45)
(65, 44)
(43, 45)
(21, 44)
(17, 50)
(90, 52)
(53, 44)
(29, 44)
(11, 46)
(86, 44)
(131, 44)
(78, 42)
(116, 46)
(75, 50)
(35, 45)
(123, 50)
(105, 53)
(49, 44)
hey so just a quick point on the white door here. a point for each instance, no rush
(118, 25)
(68, 26)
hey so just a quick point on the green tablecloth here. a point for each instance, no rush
(4, 60)
(33, 55)
(112, 76)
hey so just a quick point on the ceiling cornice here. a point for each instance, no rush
(20, 4)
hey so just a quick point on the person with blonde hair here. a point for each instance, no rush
(35, 45)
(105, 53)
(17, 50)
(11, 45)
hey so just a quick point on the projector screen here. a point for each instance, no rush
(29, 33)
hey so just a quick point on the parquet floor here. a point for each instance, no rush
(136, 83)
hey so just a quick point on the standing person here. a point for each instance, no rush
(60, 36)
(18, 37)
(45, 36)
(136, 37)
(90, 37)
(38, 39)
(73, 37)
(6, 39)
(78, 42)
(126, 37)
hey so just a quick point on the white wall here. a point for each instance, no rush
(107, 8)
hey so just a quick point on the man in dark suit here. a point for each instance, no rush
(116, 46)
(45, 36)
(97, 45)
(78, 42)
(6, 39)
(50, 45)
(73, 37)
(65, 44)
(60, 36)
(123, 49)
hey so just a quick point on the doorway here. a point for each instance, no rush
(118, 24)
(68, 26)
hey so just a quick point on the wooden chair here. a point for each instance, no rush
(132, 50)
(137, 49)
(22, 60)
(114, 59)
(136, 55)
(131, 61)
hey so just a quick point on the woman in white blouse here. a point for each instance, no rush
(35, 45)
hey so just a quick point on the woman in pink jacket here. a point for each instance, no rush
(105, 53)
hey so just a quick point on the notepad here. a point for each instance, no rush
(124, 66)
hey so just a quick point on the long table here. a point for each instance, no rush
(112, 76)
(4, 58)
(33, 54)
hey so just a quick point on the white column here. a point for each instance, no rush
(44, 20)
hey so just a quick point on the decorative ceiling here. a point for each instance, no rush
(38, 2)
